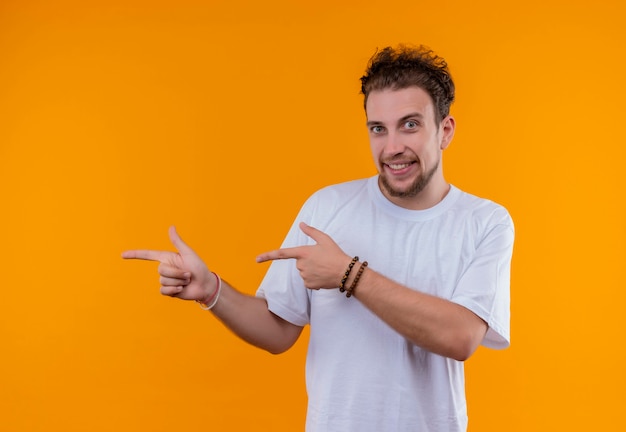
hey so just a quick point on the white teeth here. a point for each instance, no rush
(398, 166)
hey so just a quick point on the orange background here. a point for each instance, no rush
(119, 118)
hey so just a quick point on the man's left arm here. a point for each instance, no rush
(433, 323)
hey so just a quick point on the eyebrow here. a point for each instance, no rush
(417, 115)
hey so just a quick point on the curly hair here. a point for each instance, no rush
(407, 66)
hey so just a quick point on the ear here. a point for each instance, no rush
(447, 128)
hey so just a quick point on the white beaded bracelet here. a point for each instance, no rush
(216, 296)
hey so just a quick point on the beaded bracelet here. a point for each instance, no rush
(213, 300)
(345, 275)
(350, 290)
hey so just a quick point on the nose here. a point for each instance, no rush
(393, 145)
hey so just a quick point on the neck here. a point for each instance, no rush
(430, 196)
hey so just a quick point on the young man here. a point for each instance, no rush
(400, 276)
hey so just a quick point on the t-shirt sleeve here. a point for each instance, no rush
(282, 287)
(484, 287)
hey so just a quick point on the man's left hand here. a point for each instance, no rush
(321, 265)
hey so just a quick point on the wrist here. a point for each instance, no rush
(346, 275)
(209, 301)
(355, 279)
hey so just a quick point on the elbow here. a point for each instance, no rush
(462, 354)
(271, 344)
(466, 340)
(464, 346)
(276, 349)
(459, 353)
(282, 342)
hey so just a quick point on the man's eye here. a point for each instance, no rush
(410, 124)
(377, 129)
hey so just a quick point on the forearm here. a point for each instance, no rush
(250, 319)
(433, 323)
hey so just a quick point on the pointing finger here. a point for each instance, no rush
(143, 254)
(279, 254)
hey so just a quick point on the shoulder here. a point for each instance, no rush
(483, 212)
(330, 200)
(339, 192)
(342, 189)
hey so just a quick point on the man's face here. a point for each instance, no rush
(407, 144)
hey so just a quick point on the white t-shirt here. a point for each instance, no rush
(362, 375)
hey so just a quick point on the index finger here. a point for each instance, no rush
(144, 254)
(279, 254)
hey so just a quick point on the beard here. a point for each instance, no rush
(418, 185)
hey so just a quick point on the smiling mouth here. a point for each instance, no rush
(399, 166)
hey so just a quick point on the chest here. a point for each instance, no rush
(426, 255)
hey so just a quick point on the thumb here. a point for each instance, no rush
(178, 242)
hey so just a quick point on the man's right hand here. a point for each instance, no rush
(183, 274)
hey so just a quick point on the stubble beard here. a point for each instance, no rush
(418, 185)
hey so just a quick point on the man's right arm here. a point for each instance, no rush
(250, 319)
(184, 275)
